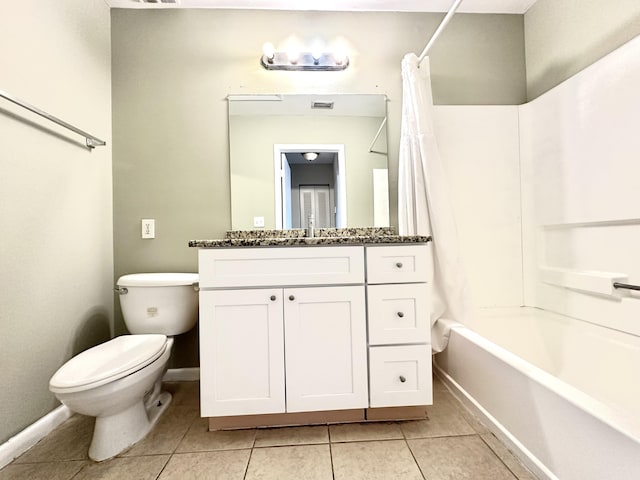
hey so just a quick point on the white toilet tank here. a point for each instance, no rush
(164, 303)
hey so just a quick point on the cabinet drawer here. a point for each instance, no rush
(286, 266)
(398, 314)
(398, 264)
(400, 376)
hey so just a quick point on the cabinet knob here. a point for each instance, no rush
(399, 264)
(292, 298)
(273, 298)
(400, 314)
(402, 379)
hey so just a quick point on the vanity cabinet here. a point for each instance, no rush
(313, 329)
(252, 338)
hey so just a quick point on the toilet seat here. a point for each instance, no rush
(107, 362)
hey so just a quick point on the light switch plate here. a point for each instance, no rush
(148, 228)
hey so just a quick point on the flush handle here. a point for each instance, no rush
(121, 290)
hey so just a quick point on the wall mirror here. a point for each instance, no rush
(295, 155)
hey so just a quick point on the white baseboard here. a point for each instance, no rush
(27, 438)
(182, 375)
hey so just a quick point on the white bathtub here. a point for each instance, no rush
(563, 393)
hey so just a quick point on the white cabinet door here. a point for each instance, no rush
(241, 352)
(326, 348)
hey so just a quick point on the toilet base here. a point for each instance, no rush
(113, 434)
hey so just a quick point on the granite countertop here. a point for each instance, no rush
(323, 236)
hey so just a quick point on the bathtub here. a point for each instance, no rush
(562, 393)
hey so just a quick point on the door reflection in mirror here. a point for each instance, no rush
(305, 187)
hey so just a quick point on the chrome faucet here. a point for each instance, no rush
(310, 230)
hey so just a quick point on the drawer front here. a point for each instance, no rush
(398, 264)
(286, 266)
(398, 314)
(400, 376)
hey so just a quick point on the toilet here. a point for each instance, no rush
(119, 381)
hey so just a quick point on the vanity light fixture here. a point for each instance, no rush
(293, 60)
(310, 156)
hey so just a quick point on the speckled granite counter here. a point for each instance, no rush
(323, 236)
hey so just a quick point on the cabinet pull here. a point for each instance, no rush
(292, 298)
(400, 314)
(399, 264)
(402, 379)
(273, 298)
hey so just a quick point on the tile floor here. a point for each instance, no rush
(451, 444)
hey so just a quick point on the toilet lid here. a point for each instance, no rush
(157, 279)
(109, 361)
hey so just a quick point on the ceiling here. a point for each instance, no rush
(467, 6)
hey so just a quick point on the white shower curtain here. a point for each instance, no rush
(424, 207)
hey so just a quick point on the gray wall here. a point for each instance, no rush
(565, 36)
(56, 245)
(172, 71)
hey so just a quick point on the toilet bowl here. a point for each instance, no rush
(119, 381)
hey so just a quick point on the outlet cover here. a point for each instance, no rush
(148, 228)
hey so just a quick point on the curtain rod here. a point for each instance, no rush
(90, 140)
(439, 30)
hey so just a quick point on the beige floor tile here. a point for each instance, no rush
(229, 465)
(446, 418)
(168, 432)
(42, 471)
(474, 422)
(200, 439)
(444, 399)
(308, 462)
(184, 393)
(438, 385)
(383, 460)
(508, 458)
(133, 468)
(458, 458)
(355, 432)
(273, 437)
(70, 441)
(449, 400)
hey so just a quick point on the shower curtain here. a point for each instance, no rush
(424, 207)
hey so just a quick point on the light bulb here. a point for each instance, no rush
(316, 53)
(269, 51)
(293, 55)
(340, 55)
